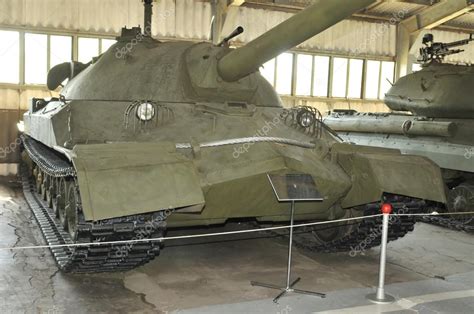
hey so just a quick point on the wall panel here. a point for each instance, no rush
(9, 145)
(347, 37)
(171, 18)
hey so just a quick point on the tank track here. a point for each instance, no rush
(91, 258)
(450, 223)
(361, 234)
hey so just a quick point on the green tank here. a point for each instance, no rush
(432, 116)
(154, 135)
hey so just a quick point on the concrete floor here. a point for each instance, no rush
(213, 275)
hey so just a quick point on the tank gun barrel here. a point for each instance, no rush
(459, 43)
(292, 32)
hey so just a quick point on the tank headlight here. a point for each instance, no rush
(306, 118)
(145, 111)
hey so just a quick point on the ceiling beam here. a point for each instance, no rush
(419, 2)
(236, 3)
(436, 15)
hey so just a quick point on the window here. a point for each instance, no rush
(268, 71)
(88, 48)
(386, 78)
(36, 58)
(106, 44)
(284, 73)
(304, 71)
(356, 69)
(9, 57)
(60, 50)
(339, 78)
(321, 76)
(372, 79)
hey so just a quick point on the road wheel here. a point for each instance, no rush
(461, 199)
(59, 204)
(72, 202)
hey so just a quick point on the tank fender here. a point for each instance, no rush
(122, 179)
(375, 171)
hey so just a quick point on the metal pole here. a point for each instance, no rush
(147, 17)
(290, 245)
(380, 296)
(383, 258)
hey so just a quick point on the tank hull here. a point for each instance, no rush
(168, 165)
(450, 146)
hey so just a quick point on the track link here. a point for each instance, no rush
(89, 258)
(450, 223)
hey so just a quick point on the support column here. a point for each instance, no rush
(225, 13)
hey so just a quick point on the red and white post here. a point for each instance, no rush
(380, 297)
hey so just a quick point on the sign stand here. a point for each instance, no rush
(292, 188)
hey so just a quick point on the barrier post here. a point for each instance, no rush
(380, 297)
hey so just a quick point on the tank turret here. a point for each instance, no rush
(439, 90)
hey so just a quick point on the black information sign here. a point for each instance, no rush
(294, 187)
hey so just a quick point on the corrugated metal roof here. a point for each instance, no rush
(182, 18)
(347, 37)
(464, 21)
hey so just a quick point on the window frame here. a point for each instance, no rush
(74, 53)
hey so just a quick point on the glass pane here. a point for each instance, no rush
(387, 78)
(268, 71)
(284, 73)
(106, 43)
(36, 58)
(416, 67)
(9, 57)
(356, 69)
(88, 49)
(321, 76)
(304, 69)
(61, 50)
(372, 79)
(339, 78)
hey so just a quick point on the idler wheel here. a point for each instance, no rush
(332, 232)
(461, 199)
(72, 202)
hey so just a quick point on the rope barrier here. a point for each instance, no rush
(215, 234)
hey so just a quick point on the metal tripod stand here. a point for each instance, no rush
(289, 285)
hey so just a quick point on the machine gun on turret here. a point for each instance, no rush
(436, 52)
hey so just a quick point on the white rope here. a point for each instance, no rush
(215, 234)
